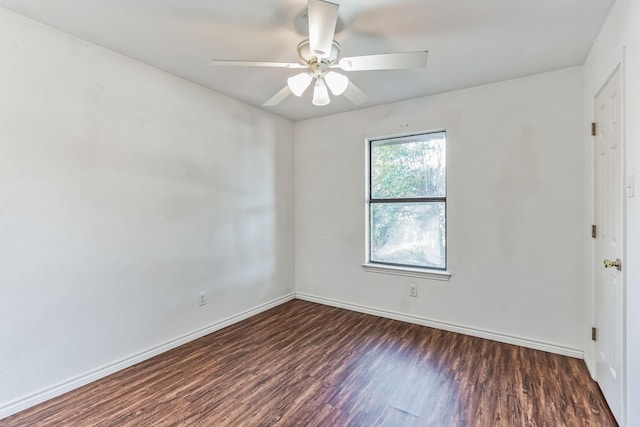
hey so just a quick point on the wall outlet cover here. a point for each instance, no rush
(413, 291)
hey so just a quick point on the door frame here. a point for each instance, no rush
(595, 264)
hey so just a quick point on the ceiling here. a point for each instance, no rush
(470, 42)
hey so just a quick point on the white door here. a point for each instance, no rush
(609, 283)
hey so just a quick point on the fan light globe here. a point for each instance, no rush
(299, 83)
(320, 93)
(337, 82)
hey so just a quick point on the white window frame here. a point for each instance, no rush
(375, 267)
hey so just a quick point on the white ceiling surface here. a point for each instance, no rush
(470, 42)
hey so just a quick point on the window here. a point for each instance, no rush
(407, 199)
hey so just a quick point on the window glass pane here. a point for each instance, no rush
(409, 167)
(409, 234)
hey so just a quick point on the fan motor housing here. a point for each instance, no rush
(305, 54)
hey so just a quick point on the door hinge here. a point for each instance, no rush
(593, 129)
(594, 231)
(594, 334)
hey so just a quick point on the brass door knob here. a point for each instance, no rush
(617, 264)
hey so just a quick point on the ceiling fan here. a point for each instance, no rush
(319, 56)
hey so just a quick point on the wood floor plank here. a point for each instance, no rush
(304, 364)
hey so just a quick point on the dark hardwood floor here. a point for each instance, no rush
(303, 364)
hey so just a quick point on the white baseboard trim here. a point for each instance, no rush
(26, 402)
(590, 367)
(480, 333)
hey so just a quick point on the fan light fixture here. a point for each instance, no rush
(320, 93)
(299, 83)
(337, 82)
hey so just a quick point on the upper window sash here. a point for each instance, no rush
(411, 167)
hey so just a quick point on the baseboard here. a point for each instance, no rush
(26, 402)
(590, 367)
(480, 333)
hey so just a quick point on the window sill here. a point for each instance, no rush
(407, 271)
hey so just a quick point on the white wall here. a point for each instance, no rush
(515, 197)
(125, 191)
(619, 42)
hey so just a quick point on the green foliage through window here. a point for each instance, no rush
(407, 204)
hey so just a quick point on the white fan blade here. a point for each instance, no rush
(323, 17)
(354, 94)
(234, 63)
(386, 61)
(278, 97)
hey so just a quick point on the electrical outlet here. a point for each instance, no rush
(202, 299)
(413, 291)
